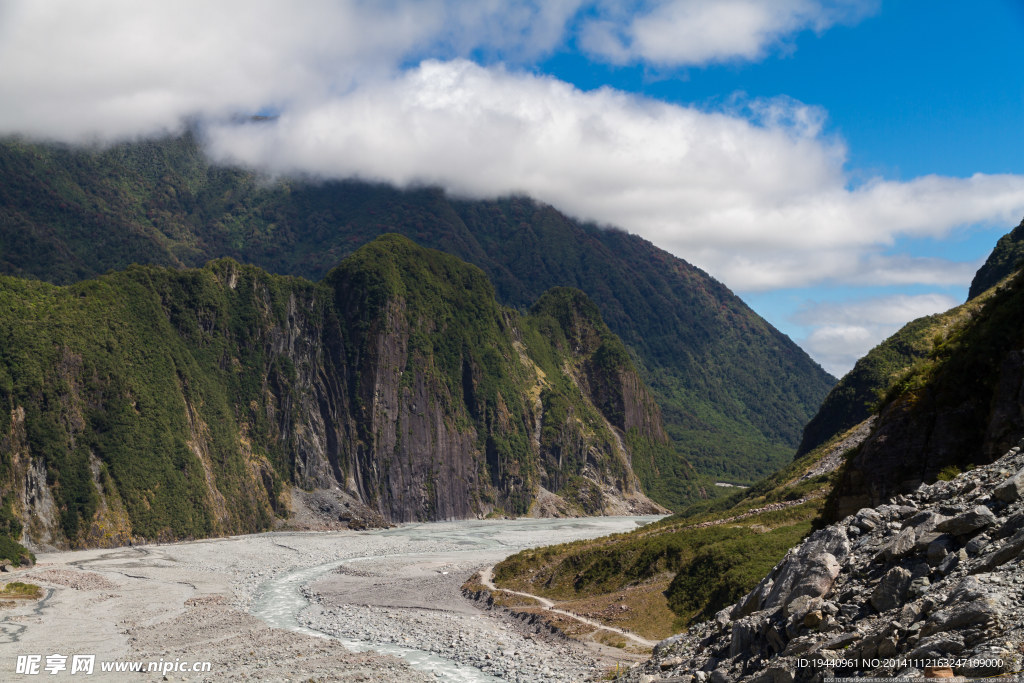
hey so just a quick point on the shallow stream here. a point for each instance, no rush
(279, 601)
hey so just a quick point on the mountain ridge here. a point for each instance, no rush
(735, 393)
(160, 404)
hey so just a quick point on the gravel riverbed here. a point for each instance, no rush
(223, 601)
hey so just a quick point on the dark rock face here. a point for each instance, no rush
(933, 578)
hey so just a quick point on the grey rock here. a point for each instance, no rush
(799, 574)
(1012, 489)
(720, 676)
(925, 521)
(1009, 550)
(976, 545)
(919, 586)
(1010, 526)
(969, 604)
(950, 562)
(662, 647)
(980, 517)
(939, 547)
(775, 640)
(937, 646)
(799, 606)
(753, 600)
(900, 546)
(904, 510)
(671, 663)
(842, 641)
(744, 634)
(867, 519)
(925, 539)
(892, 590)
(781, 674)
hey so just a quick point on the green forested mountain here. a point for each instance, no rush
(735, 393)
(160, 403)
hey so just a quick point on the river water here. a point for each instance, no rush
(280, 600)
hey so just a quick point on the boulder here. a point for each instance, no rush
(970, 604)
(867, 519)
(892, 590)
(939, 547)
(1008, 551)
(1012, 489)
(968, 522)
(899, 546)
(814, 577)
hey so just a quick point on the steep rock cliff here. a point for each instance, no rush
(165, 404)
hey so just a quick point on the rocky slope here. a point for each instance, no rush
(162, 404)
(1007, 257)
(735, 393)
(930, 580)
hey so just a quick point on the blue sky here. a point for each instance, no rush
(844, 165)
(914, 88)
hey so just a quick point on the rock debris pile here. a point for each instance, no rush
(928, 582)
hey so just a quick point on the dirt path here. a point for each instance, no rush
(486, 578)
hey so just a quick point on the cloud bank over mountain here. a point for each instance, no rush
(756, 191)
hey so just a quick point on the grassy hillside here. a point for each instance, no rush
(684, 568)
(734, 392)
(860, 392)
(959, 406)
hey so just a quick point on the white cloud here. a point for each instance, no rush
(756, 193)
(686, 32)
(843, 332)
(110, 69)
(897, 309)
(760, 203)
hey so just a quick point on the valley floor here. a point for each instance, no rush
(258, 608)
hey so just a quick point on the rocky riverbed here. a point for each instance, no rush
(393, 589)
(416, 602)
